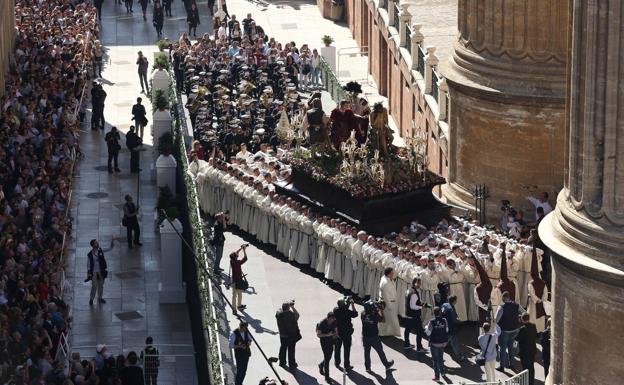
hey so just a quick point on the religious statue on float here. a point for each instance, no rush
(379, 133)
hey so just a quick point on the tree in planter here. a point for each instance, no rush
(166, 202)
(161, 63)
(160, 101)
(165, 144)
(162, 44)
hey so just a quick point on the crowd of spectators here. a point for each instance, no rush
(38, 141)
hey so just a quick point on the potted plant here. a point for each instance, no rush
(166, 202)
(161, 62)
(162, 44)
(161, 116)
(327, 40)
(160, 100)
(165, 144)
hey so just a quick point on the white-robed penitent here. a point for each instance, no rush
(455, 279)
(388, 293)
(471, 279)
(428, 288)
(358, 266)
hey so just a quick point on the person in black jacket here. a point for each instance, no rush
(138, 115)
(343, 315)
(527, 339)
(96, 271)
(132, 374)
(158, 19)
(144, 8)
(167, 6)
(193, 19)
(413, 312)
(112, 142)
(131, 221)
(288, 326)
(546, 348)
(133, 142)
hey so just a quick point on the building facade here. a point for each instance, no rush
(7, 37)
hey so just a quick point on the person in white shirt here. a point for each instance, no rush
(541, 201)
(315, 64)
(243, 154)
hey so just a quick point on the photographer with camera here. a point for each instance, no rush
(239, 282)
(218, 238)
(288, 327)
(344, 314)
(372, 315)
(413, 313)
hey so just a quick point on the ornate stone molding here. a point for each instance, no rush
(516, 48)
(533, 30)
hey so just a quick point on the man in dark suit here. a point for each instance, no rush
(138, 115)
(133, 142)
(96, 271)
(527, 339)
(450, 313)
(132, 374)
(288, 326)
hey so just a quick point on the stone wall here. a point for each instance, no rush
(506, 79)
(7, 37)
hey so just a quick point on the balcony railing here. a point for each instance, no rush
(421, 61)
(383, 4)
(435, 77)
(408, 38)
(396, 21)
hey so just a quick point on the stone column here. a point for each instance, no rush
(586, 230)
(431, 60)
(506, 80)
(417, 39)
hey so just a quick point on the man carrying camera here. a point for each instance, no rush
(288, 327)
(413, 320)
(239, 283)
(343, 315)
(372, 315)
(326, 331)
(218, 238)
(240, 341)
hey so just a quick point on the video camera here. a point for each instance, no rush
(371, 306)
(345, 301)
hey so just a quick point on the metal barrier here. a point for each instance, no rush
(408, 38)
(521, 378)
(396, 19)
(435, 78)
(421, 61)
(362, 51)
(331, 83)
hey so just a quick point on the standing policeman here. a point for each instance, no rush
(345, 330)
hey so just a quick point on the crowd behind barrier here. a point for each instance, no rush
(39, 128)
